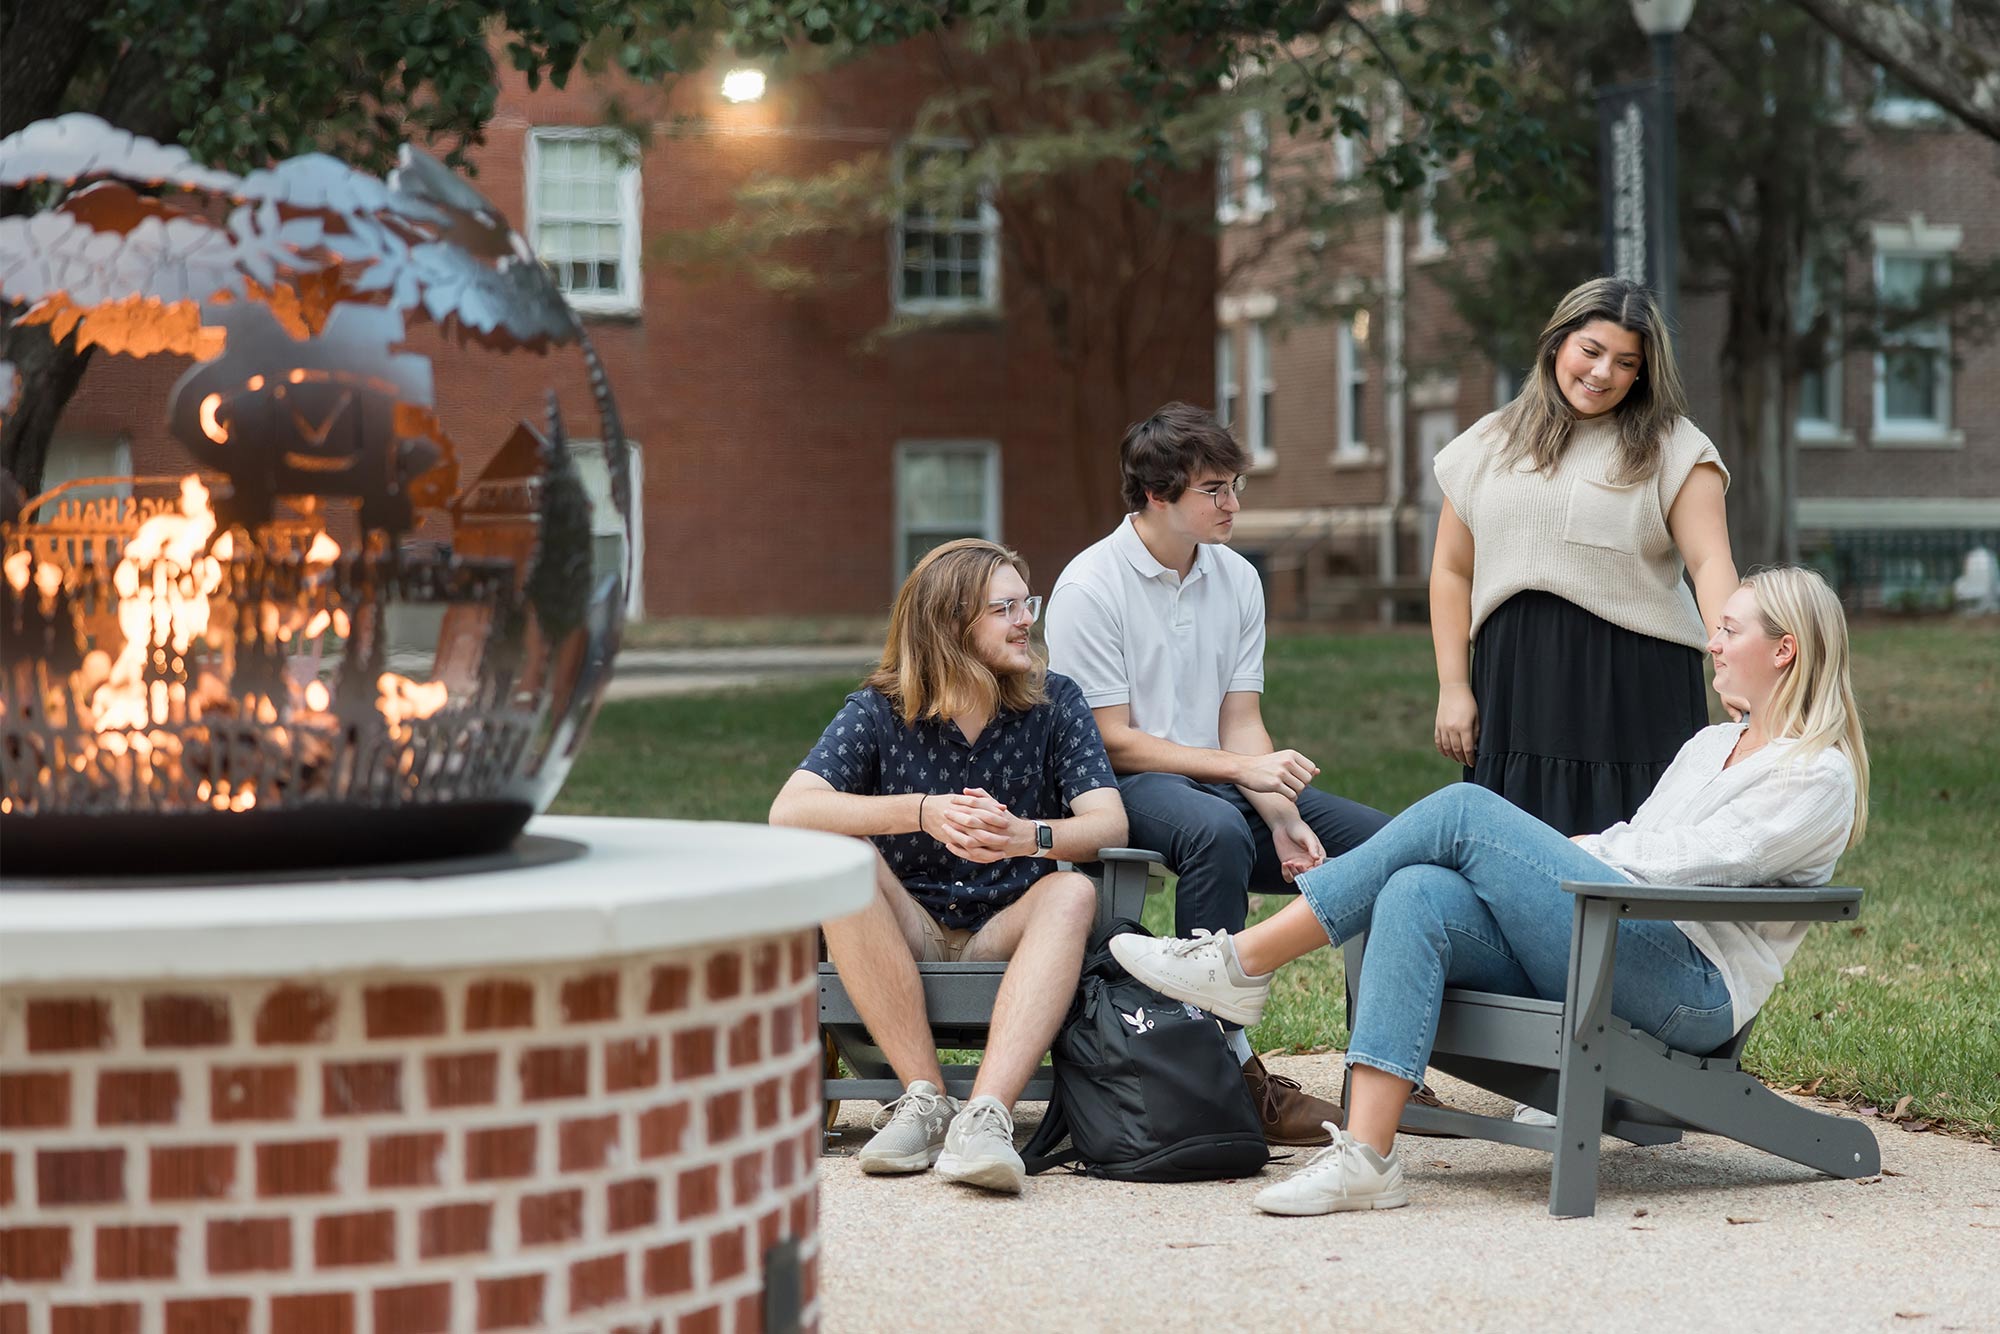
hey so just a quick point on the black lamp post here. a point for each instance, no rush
(1663, 21)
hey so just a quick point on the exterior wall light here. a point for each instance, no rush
(743, 85)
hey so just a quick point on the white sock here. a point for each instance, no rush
(1239, 1044)
(1237, 972)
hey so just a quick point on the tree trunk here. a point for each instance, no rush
(50, 374)
(1756, 446)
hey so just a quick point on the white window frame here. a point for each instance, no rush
(1259, 385)
(1919, 242)
(1242, 190)
(988, 451)
(1830, 430)
(1352, 368)
(1431, 243)
(1893, 109)
(987, 227)
(635, 467)
(626, 301)
(115, 450)
(1228, 390)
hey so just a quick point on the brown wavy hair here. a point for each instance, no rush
(929, 668)
(1161, 454)
(1538, 423)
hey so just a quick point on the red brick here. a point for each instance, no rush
(34, 1254)
(671, 984)
(767, 1100)
(191, 1172)
(13, 1318)
(631, 1063)
(784, 1163)
(354, 1239)
(724, 975)
(597, 1282)
(769, 1228)
(106, 1318)
(747, 1177)
(553, 1217)
(79, 1176)
(800, 1214)
(404, 1160)
(669, 1269)
(209, 1315)
(630, 1204)
(6, 1177)
(455, 1229)
(586, 1143)
(466, 1079)
(423, 1308)
(500, 1153)
(355, 1088)
(510, 1303)
(555, 1072)
(697, 1192)
(129, 1253)
(766, 965)
(725, 1116)
(186, 1021)
(244, 1245)
(592, 999)
(138, 1097)
(746, 1041)
(708, 1320)
(694, 1053)
(784, 1029)
(805, 1089)
(802, 955)
(252, 1093)
(296, 1016)
(750, 1311)
(726, 1255)
(38, 1100)
(661, 1128)
(302, 1167)
(313, 1313)
(499, 1004)
(78, 1024)
(404, 1011)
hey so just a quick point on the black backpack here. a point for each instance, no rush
(1146, 1088)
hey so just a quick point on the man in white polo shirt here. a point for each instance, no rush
(1162, 626)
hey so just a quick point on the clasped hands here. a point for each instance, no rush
(972, 825)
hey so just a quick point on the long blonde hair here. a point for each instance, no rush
(1539, 422)
(1813, 703)
(929, 668)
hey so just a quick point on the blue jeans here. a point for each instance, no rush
(1213, 839)
(1464, 889)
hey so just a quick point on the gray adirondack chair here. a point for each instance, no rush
(958, 997)
(1574, 1059)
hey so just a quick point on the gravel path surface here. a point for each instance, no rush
(1701, 1233)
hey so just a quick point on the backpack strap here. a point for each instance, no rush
(1049, 1146)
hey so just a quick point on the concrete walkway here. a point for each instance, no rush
(1703, 1235)
(642, 673)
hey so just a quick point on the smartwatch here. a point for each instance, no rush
(1045, 839)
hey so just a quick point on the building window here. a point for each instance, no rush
(1226, 387)
(1430, 237)
(947, 243)
(1507, 384)
(1261, 429)
(607, 530)
(944, 489)
(1242, 187)
(583, 214)
(1819, 414)
(1353, 372)
(1913, 366)
(73, 458)
(1896, 102)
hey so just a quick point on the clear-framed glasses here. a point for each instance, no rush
(1215, 493)
(1013, 609)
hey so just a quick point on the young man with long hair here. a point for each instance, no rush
(972, 769)
(1162, 625)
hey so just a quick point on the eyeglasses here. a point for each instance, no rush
(1010, 609)
(1221, 489)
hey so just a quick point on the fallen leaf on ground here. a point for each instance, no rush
(1640, 1213)
(1916, 1127)
(1902, 1107)
(1890, 1172)
(1734, 1219)
(1857, 930)
(1867, 1181)
(1912, 1315)
(1994, 1227)
(1810, 1089)
(1439, 1162)
(1642, 1227)
(1190, 1245)
(1858, 970)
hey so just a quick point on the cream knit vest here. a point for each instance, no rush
(1575, 533)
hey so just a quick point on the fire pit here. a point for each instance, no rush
(318, 644)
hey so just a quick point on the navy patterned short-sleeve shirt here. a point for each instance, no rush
(1034, 763)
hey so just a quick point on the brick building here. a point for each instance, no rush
(1898, 450)
(790, 461)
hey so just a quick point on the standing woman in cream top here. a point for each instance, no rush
(1568, 646)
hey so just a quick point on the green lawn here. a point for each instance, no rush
(1904, 1004)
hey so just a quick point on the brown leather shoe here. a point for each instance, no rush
(1424, 1097)
(1290, 1115)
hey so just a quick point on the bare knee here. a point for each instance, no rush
(1072, 897)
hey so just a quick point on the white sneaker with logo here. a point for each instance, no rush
(1345, 1175)
(979, 1148)
(910, 1131)
(1202, 971)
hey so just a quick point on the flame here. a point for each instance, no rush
(210, 427)
(403, 699)
(164, 579)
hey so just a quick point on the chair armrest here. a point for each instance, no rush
(1127, 855)
(1712, 903)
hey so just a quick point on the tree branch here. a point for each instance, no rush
(1929, 59)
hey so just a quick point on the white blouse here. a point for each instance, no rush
(1764, 821)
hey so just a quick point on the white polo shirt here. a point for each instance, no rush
(1130, 631)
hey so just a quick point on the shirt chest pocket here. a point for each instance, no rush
(1607, 515)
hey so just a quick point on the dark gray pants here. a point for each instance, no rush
(1213, 839)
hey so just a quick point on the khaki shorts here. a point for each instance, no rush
(942, 944)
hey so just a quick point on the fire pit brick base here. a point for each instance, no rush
(610, 1145)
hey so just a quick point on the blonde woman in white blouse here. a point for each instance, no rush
(1463, 888)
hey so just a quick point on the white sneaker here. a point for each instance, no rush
(1202, 971)
(911, 1131)
(1345, 1175)
(979, 1148)
(1525, 1115)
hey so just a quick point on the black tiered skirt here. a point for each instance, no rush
(1578, 717)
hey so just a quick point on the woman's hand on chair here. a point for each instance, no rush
(1457, 732)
